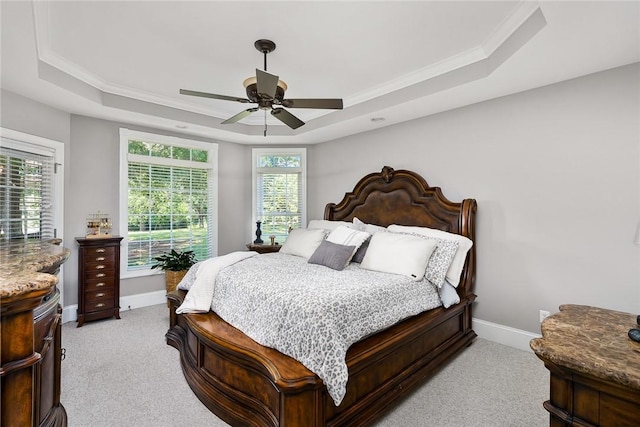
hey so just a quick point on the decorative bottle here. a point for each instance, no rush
(258, 240)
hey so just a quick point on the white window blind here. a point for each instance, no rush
(171, 201)
(26, 194)
(279, 196)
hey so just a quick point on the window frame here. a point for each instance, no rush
(255, 152)
(212, 156)
(39, 145)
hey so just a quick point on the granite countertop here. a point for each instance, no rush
(592, 341)
(23, 265)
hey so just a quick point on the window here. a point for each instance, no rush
(168, 198)
(279, 190)
(29, 186)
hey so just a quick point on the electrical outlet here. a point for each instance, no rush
(543, 315)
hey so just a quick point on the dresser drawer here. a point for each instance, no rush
(99, 274)
(97, 266)
(99, 284)
(99, 305)
(99, 295)
(106, 252)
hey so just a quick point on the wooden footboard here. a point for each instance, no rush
(245, 383)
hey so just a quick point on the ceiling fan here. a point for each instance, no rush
(267, 90)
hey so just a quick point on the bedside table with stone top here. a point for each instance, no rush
(263, 249)
(594, 367)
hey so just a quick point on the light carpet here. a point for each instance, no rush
(122, 373)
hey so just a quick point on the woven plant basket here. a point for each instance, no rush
(172, 278)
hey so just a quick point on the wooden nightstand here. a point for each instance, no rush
(263, 249)
(595, 379)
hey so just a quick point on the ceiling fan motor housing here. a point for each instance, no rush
(251, 87)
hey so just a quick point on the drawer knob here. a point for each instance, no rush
(100, 305)
(100, 258)
(100, 275)
(100, 295)
(99, 267)
(99, 285)
(100, 250)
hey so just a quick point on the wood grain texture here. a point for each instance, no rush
(98, 278)
(245, 383)
(594, 366)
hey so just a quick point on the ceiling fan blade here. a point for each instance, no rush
(266, 83)
(287, 118)
(241, 115)
(321, 103)
(213, 95)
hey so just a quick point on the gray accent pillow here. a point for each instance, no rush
(332, 255)
(359, 255)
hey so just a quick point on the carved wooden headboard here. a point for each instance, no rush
(404, 197)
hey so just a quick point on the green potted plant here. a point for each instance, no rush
(175, 265)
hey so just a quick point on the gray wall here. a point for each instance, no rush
(94, 186)
(555, 171)
(92, 180)
(24, 115)
(556, 174)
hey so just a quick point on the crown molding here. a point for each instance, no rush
(474, 57)
(483, 52)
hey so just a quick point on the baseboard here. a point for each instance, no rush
(501, 334)
(130, 302)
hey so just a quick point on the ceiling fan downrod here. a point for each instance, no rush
(265, 46)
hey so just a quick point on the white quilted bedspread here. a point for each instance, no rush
(313, 313)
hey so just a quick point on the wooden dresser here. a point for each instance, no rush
(594, 366)
(98, 278)
(30, 339)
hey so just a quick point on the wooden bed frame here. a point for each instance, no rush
(245, 383)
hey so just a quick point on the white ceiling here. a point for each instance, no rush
(126, 61)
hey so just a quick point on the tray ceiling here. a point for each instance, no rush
(126, 61)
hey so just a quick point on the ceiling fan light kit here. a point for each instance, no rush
(267, 90)
(251, 86)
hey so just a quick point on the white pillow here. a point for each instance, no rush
(348, 236)
(464, 244)
(327, 225)
(399, 254)
(189, 278)
(369, 228)
(303, 242)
